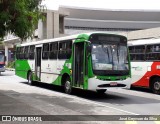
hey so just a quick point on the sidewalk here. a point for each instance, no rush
(10, 69)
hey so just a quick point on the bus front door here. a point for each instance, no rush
(38, 63)
(78, 70)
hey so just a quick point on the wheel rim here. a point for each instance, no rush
(67, 86)
(157, 85)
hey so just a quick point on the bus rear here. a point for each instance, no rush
(2, 61)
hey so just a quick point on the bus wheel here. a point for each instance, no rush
(30, 79)
(156, 85)
(68, 86)
(102, 91)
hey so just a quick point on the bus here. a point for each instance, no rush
(2, 61)
(145, 63)
(89, 61)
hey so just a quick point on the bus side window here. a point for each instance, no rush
(45, 53)
(26, 52)
(153, 52)
(21, 53)
(53, 50)
(61, 52)
(137, 53)
(31, 52)
(69, 49)
(17, 53)
(65, 49)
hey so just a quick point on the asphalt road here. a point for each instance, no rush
(18, 98)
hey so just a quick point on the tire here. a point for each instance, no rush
(102, 91)
(30, 78)
(68, 86)
(156, 85)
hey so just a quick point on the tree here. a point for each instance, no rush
(19, 17)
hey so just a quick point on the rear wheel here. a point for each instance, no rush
(68, 86)
(102, 91)
(156, 85)
(30, 79)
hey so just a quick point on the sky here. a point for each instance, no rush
(152, 5)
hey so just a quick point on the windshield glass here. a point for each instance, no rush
(1, 58)
(109, 57)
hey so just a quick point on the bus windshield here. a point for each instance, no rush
(109, 57)
(1, 58)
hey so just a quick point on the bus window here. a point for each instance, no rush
(69, 49)
(45, 53)
(137, 53)
(17, 52)
(26, 50)
(31, 52)
(65, 49)
(21, 53)
(153, 52)
(53, 50)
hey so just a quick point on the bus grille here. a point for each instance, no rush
(108, 85)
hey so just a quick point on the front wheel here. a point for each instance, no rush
(68, 86)
(156, 85)
(30, 79)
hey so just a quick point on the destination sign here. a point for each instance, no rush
(109, 38)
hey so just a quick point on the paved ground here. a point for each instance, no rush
(18, 98)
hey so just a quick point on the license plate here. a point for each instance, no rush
(113, 84)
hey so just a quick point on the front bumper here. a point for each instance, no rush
(96, 84)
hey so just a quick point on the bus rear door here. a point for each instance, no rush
(38, 63)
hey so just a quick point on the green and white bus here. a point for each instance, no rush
(89, 61)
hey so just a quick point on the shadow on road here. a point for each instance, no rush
(108, 97)
(140, 89)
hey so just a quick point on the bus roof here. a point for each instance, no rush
(63, 38)
(143, 42)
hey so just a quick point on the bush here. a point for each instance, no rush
(11, 64)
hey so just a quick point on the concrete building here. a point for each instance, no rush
(89, 19)
(53, 25)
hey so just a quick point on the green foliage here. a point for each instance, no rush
(11, 64)
(19, 17)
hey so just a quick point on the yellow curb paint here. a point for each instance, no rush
(130, 122)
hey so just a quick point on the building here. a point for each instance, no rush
(89, 19)
(71, 20)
